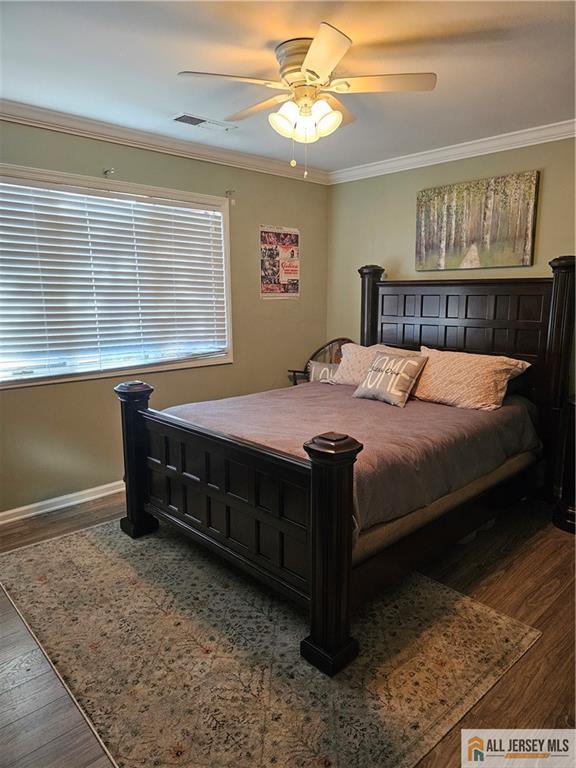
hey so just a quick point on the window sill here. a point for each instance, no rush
(114, 373)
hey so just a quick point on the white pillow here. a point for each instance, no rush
(318, 371)
(466, 380)
(356, 361)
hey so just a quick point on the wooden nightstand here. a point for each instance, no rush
(564, 511)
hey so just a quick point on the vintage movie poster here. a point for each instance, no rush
(279, 262)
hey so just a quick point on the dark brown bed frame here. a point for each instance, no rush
(288, 521)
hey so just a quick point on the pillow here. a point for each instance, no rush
(390, 378)
(466, 380)
(399, 351)
(356, 361)
(318, 371)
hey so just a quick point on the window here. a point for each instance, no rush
(95, 281)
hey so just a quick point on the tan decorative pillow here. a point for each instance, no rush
(356, 361)
(466, 380)
(318, 371)
(390, 378)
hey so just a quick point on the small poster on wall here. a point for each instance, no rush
(279, 262)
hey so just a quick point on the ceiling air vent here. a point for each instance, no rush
(202, 122)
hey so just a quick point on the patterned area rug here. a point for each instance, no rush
(180, 661)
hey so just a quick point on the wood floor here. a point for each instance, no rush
(522, 567)
(40, 724)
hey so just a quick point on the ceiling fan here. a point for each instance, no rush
(309, 109)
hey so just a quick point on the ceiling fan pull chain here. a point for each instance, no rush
(293, 161)
(305, 161)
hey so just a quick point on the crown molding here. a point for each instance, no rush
(38, 117)
(26, 114)
(515, 140)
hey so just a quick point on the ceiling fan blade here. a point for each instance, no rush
(260, 107)
(419, 81)
(347, 116)
(325, 53)
(277, 84)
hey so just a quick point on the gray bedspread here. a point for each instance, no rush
(412, 456)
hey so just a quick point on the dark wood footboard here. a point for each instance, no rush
(284, 520)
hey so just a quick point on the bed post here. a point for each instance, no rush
(371, 274)
(329, 646)
(134, 397)
(558, 362)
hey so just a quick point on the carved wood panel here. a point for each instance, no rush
(492, 317)
(258, 509)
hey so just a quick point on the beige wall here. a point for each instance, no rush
(61, 438)
(373, 221)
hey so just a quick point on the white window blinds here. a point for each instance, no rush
(94, 281)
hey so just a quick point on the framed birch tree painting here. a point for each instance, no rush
(477, 224)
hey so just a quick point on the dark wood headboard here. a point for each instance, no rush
(527, 318)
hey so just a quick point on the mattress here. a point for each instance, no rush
(412, 456)
(377, 538)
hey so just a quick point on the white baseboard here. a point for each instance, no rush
(69, 500)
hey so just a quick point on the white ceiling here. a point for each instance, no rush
(502, 66)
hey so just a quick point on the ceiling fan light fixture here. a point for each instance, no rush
(305, 130)
(285, 119)
(319, 109)
(290, 110)
(329, 123)
(321, 121)
(281, 124)
(327, 119)
(306, 71)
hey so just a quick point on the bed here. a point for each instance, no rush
(324, 516)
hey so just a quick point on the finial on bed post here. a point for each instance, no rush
(329, 646)
(134, 397)
(371, 274)
(558, 362)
